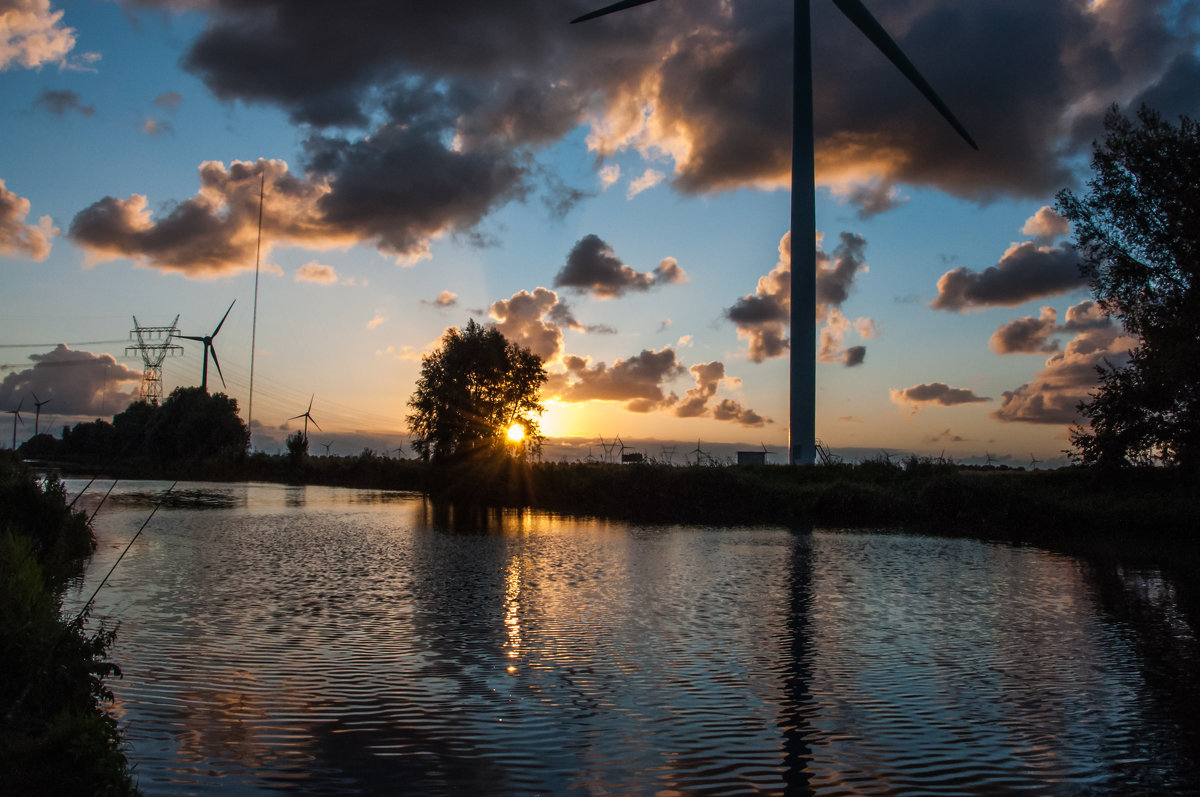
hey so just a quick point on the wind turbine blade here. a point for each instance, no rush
(310, 401)
(294, 417)
(189, 337)
(857, 13)
(213, 350)
(624, 4)
(218, 329)
(314, 423)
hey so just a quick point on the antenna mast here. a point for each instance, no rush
(153, 344)
(262, 185)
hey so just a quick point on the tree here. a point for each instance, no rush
(472, 390)
(1138, 234)
(193, 425)
(297, 446)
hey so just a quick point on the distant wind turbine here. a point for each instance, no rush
(327, 445)
(16, 417)
(207, 340)
(802, 414)
(307, 416)
(38, 412)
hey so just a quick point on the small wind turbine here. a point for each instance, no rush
(608, 449)
(38, 412)
(1033, 461)
(990, 458)
(399, 450)
(207, 340)
(697, 451)
(16, 417)
(623, 447)
(327, 445)
(307, 416)
(802, 414)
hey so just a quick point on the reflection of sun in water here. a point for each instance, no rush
(516, 433)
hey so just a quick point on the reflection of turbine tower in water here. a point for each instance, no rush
(802, 414)
(153, 344)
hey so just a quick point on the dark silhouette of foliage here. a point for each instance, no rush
(297, 446)
(471, 390)
(1138, 234)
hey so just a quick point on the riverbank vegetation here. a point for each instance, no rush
(55, 737)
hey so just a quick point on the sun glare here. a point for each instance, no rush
(516, 433)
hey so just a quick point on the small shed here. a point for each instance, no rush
(752, 457)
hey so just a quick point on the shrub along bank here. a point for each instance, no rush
(55, 737)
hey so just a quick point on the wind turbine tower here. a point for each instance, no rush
(803, 382)
(207, 340)
(16, 417)
(37, 417)
(154, 345)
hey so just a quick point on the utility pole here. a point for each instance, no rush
(153, 344)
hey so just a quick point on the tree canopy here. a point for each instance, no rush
(472, 390)
(1138, 233)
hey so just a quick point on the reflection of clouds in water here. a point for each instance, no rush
(364, 644)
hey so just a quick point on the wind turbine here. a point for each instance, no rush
(327, 445)
(307, 416)
(16, 417)
(803, 382)
(990, 458)
(207, 340)
(1033, 461)
(38, 412)
(697, 451)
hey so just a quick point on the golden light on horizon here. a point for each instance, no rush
(516, 433)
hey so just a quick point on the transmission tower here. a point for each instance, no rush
(153, 344)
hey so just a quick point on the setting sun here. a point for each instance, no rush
(516, 433)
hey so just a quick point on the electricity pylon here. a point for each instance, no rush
(153, 344)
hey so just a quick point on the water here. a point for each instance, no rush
(349, 641)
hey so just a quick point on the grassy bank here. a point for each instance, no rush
(55, 737)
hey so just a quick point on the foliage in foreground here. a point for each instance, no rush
(1138, 234)
(55, 737)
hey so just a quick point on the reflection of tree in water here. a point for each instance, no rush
(1159, 614)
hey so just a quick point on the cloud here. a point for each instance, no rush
(18, 239)
(872, 198)
(170, 100)
(535, 321)
(938, 393)
(152, 127)
(761, 317)
(609, 175)
(319, 273)
(32, 35)
(730, 410)
(379, 319)
(1046, 225)
(1027, 271)
(446, 299)
(701, 86)
(708, 379)
(77, 383)
(1086, 315)
(637, 380)
(945, 436)
(1027, 335)
(1066, 380)
(60, 103)
(593, 267)
(649, 179)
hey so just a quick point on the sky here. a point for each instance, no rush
(612, 195)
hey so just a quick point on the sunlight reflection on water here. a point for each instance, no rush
(337, 641)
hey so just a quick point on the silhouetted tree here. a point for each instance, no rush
(297, 446)
(1138, 232)
(472, 390)
(193, 425)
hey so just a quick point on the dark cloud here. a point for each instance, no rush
(1025, 272)
(1066, 380)
(18, 239)
(534, 320)
(637, 380)
(1086, 315)
(593, 267)
(1027, 335)
(836, 273)
(855, 355)
(945, 436)
(76, 383)
(762, 317)
(730, 410)
(401, 93)
(708, 379)
(60, 103)
(874, 198)
(938, 393)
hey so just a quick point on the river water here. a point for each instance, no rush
(342, 641)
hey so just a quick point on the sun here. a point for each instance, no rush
(516, 433)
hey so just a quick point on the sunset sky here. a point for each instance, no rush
(612, 195)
